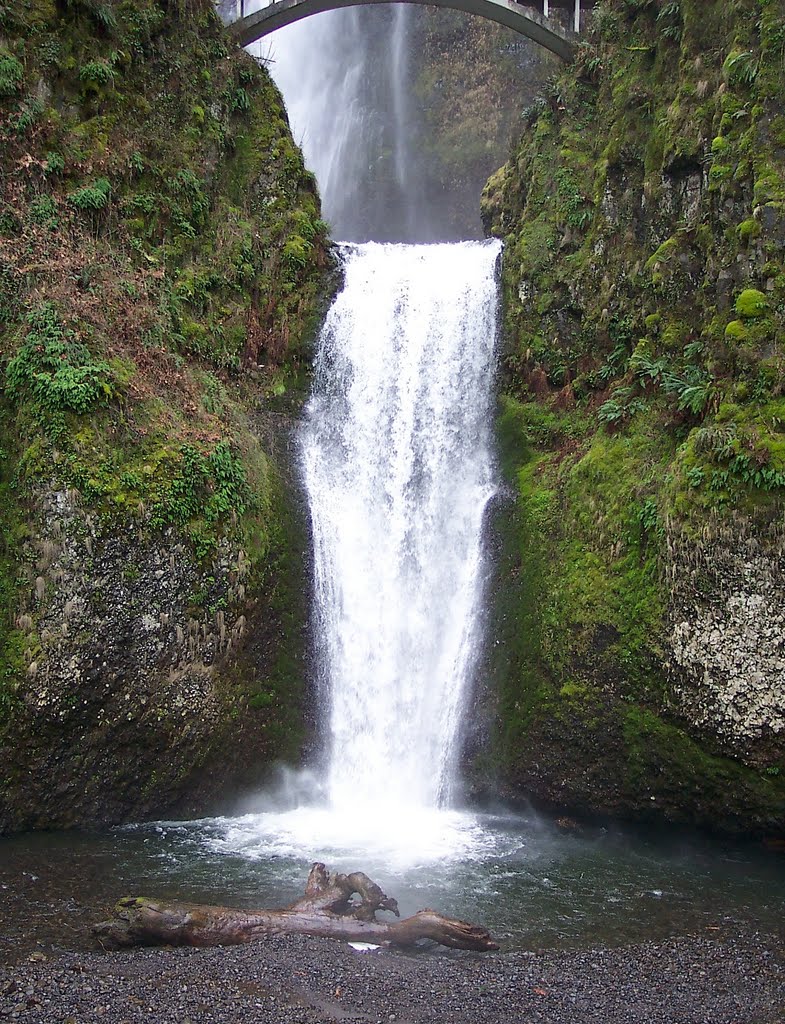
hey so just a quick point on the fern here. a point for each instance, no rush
(741, 68)
(11, 74)
(644, 365)
(91, 197)
(54, 370)
(96, 72)
(695, 398)
(693, 390)
(671, 21)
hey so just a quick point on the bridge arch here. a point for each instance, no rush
(526, 20)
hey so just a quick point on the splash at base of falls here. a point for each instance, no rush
(388, 840)
(295, 819)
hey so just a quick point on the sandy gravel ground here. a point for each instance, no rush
(714, 979)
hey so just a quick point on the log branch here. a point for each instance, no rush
(327, 908)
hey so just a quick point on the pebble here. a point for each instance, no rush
(715, 979)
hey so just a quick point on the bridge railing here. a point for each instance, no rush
(230, 11)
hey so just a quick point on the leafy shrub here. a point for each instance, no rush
(209, 486)
(54, 370)
(144, 202)
(93, 197)
(648, 516)
(11, 74)
(27, 116)
(575, 207)
(55, 164)
(296, 252)
(95, 72)
(188, 185)
(44, 211)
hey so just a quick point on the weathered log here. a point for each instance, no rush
(327, 908)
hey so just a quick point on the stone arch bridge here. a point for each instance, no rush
(554, 24)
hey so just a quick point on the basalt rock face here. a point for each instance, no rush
(154, 683)
(163, 267)
(639, 655)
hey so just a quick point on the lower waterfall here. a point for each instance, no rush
(397, 460)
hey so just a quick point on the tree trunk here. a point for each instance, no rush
(326, 909)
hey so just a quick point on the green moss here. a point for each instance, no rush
(751, 304)
(281, 578)
(13, 641)
(737, 331)
(654, 745)
(619, 360)
(720, 173)
(197, 258)
(748, 230)
(658, 260)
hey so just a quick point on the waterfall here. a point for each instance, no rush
(345, 79)
(395, 451)
(397, 462)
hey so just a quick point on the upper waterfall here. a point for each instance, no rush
(396, 453)
(352, 112)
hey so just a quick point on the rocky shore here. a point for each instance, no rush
(715, 978)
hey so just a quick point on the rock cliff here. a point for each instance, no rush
(641, 659)
(162, 259)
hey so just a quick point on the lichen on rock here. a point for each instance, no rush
(727, 634)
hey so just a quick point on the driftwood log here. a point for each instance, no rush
(327, 908)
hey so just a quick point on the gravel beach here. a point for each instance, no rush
(712, 979)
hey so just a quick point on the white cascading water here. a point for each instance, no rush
(396, 458)
(398, 470)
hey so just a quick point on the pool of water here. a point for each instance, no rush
(534, 881)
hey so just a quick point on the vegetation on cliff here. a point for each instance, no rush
(162, 258)
(642, 421)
